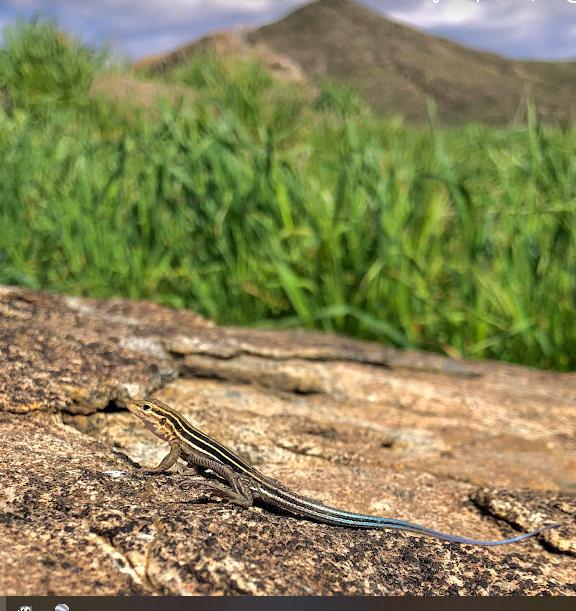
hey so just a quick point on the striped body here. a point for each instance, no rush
(197, 448)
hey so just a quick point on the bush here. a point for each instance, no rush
(41, 67)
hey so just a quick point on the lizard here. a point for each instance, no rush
(245, 484)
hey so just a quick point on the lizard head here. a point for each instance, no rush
(157, 416)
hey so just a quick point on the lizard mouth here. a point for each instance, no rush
(133, 406)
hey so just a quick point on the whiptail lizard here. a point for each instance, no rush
(247, 484)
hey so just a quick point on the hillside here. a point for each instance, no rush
(225, 44)
(396, 68)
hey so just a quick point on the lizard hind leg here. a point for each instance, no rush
(230, 494)
(242, 489)
(238, 491)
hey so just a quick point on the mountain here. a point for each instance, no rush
(396, 69)
(233, 43)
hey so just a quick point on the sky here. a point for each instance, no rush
(533, 29)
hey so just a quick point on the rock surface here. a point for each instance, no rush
(476, 448)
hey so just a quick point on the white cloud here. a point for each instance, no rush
(250, 5)
(445, 12)
(517, 28)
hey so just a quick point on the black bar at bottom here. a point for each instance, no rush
(288, 603)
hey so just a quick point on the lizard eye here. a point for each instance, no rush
(146, 407)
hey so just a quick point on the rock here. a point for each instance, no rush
(475, 448)
(79, 354)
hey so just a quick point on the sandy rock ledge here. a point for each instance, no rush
(476, 448)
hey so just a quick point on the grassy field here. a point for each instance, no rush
(260, 203)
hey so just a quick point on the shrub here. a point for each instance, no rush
(41, 67)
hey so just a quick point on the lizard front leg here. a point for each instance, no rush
(168, 460)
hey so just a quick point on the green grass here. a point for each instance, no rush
(262, 205)
(42, 69)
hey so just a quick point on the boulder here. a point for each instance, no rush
(481, 449)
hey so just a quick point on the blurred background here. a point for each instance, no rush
(403, 172)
